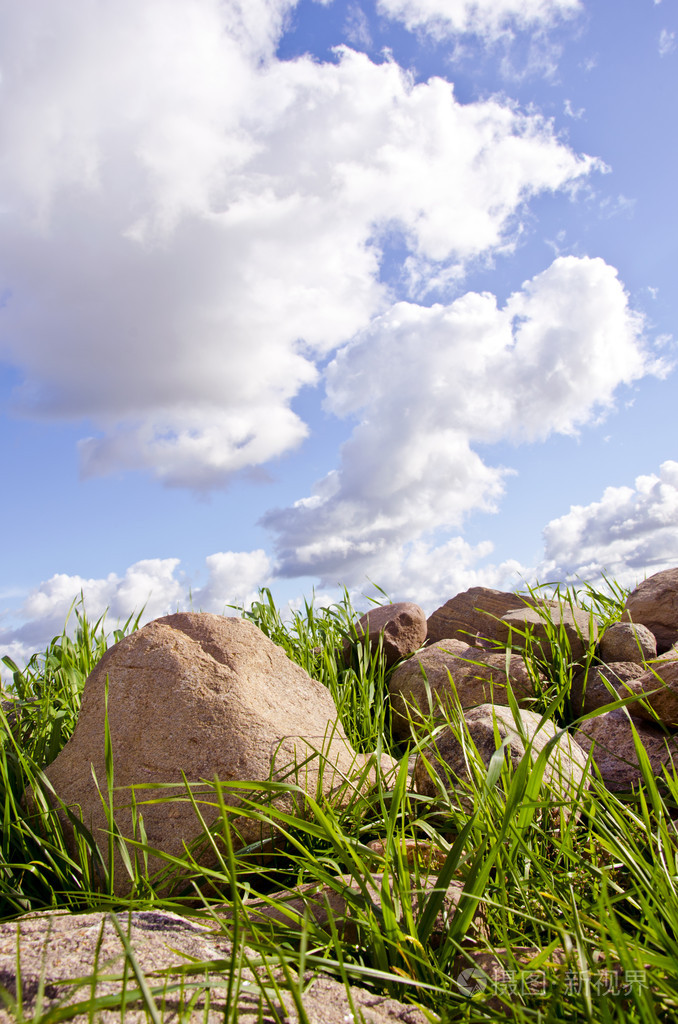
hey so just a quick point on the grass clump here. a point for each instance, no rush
(493, 898)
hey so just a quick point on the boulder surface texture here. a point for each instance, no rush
(207, 696)
(654, 603)
(401, 626)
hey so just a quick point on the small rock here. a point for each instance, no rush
(403, 627)
(660, 676)
(627, 641)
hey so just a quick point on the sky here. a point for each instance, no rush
(313, 294)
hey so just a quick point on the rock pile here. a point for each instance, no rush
(191, 698)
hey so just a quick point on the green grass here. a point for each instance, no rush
(591, 885)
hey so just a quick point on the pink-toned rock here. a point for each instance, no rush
(614, 751)
(56, 948)
(472, 616)
(207, 696)
(661, 676)
(452, 669)
(564, 773)
(590, 692)
(627, 641)
(580, 628)
(402, 625)
(654, 603)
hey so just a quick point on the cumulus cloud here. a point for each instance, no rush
(427, 383)
(629, 533)
(190, 224)
(486, 17)
(150, 588)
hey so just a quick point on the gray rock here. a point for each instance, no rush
(614, 751)
(565, 767)
(627, 641)
(472, 616)
(402, 625)
(452, 670)
(208, 696)
(654, 603)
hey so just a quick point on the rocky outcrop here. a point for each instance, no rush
(447, 671)
(200, 696)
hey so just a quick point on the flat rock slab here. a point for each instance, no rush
(654, 603)
(433, 679)
(210, 697)
(472, 616)
(614, 751)
(579, 627)
(57, 947)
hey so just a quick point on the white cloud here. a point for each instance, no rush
(151, 587)
(189, 224)
(486, 17)
(630, 533)
(426, 383)
(667, 42)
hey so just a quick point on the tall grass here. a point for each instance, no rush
(576, 899)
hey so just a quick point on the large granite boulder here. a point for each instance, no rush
(627, 641)
(401, 627)
(449, 669)
(579, 627)
(614, 752)
(654, 603)
(472, 616)
(565, 769)
(209, 697)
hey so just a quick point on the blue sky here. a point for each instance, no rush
(330, 292)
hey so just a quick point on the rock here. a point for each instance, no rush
(472, 616)
(209, 696)
(403, 627)
(564, 769)
(614, 751)
(478, 677)
(660, 676)
(57, 946)
(590, 692)
(339, 899)
(579, 627)
(627, 641)
(654, 603)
